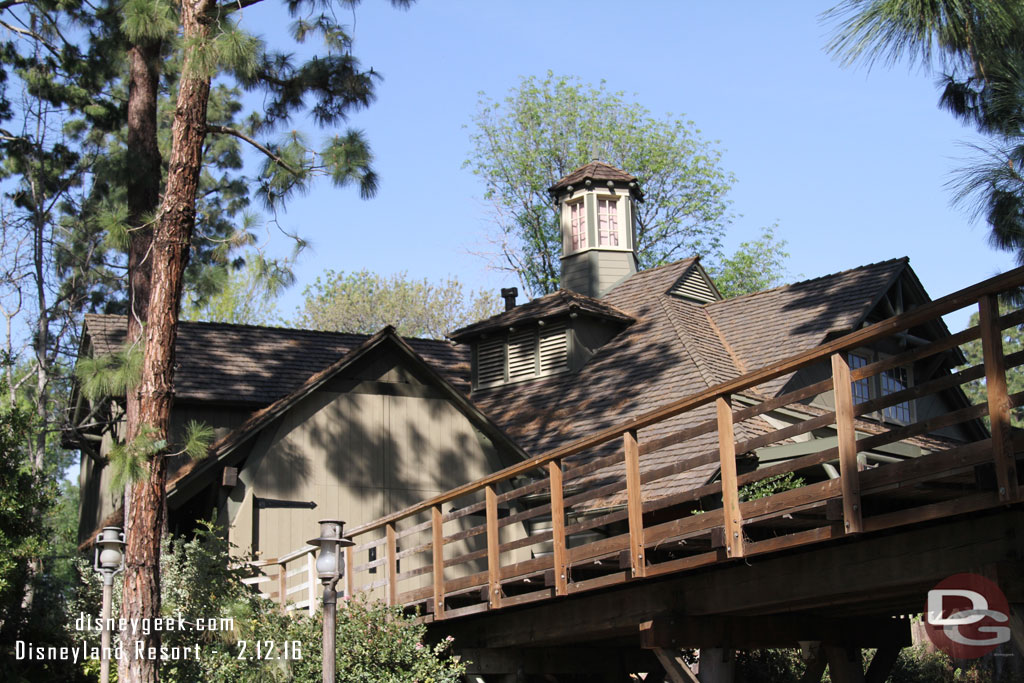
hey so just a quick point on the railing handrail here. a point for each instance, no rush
(927, 312)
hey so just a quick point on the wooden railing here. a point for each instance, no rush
(592, 514)
(292, 575)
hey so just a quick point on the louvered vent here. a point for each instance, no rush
(554, 349)
(490, 362)
(692, 286)
(522, 355)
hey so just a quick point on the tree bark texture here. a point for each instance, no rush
(142, 184)
(169, 256)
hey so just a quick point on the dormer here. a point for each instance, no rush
(554, 334)
(597, 209)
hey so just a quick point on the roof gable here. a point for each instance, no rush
(385, 339)
(768, 326)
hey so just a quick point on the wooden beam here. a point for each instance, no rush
(493, 551)
(350, 580)
(998, 402)
(392, 564)
(848, 469)
(282, 585)
(634, 506)
(561, 570)
(778, 631)
(844, 664)
(716, 665)
(437, 533)
(881, 664)
(675, 667)
(730, 492)
(868, 575)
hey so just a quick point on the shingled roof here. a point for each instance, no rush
(245, 364)
(554, 305)
(678, 348)
(672, 348)
(597, 170)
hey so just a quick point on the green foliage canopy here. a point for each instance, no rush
(364, 302)
(546, 128)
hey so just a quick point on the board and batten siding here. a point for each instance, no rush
(359, 448)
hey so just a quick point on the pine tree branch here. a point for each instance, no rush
(31, 34)
(224, 130)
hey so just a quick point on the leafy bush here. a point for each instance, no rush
(375, 643)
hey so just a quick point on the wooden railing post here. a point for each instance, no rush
(437, 532)
(311, 583)
(350, 580)
(392, 551)
(282, 585)
(493, 554)
(558, 528)
(998, 402)
(634, 505)
(730, 492)
(849, 474)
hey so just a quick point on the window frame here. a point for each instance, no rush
(875, 386)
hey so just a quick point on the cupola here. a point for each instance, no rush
(598, 219)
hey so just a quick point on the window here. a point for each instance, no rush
(885, 383)
(578, 225)
(521, 355)
(607, 223)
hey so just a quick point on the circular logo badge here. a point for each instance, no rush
(967, 616)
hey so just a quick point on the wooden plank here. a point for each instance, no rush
(634, 505)
(558, 528)
(282, 585)
(437, 531)
(730, 492)
(392, 551)
(862, 337)
(311, 582)
(493, 554)
(926, 513)
(350, 579)
(849, 471)
(676, 670)
(998, 403)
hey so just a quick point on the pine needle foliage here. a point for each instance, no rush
(112, 374)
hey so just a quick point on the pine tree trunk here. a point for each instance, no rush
(169, 257)
(143, 192)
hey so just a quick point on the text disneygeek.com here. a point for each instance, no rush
(139, 649)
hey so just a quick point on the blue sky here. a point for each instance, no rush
(851, 164)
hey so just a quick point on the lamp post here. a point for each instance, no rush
(108, 561)
(329, 569)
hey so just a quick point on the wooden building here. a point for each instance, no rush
(315, 425)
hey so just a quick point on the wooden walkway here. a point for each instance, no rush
(588, 517)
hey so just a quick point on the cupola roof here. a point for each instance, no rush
(600, 172)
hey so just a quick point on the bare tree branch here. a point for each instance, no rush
(224, 130)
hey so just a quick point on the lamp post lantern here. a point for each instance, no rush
(108, 561)
(329, 569)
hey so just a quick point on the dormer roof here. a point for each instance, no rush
(598, 171)
(555, 305)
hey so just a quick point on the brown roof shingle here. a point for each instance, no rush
(258, 365)
(596, 170)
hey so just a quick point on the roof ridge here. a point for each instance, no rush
(684, 338)
(277, 328)
(904, 259)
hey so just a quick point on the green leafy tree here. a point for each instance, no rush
(546, 128)
(977, 49)
(1013, 341)
(364, 302)
(756, 265)
(245, 296)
